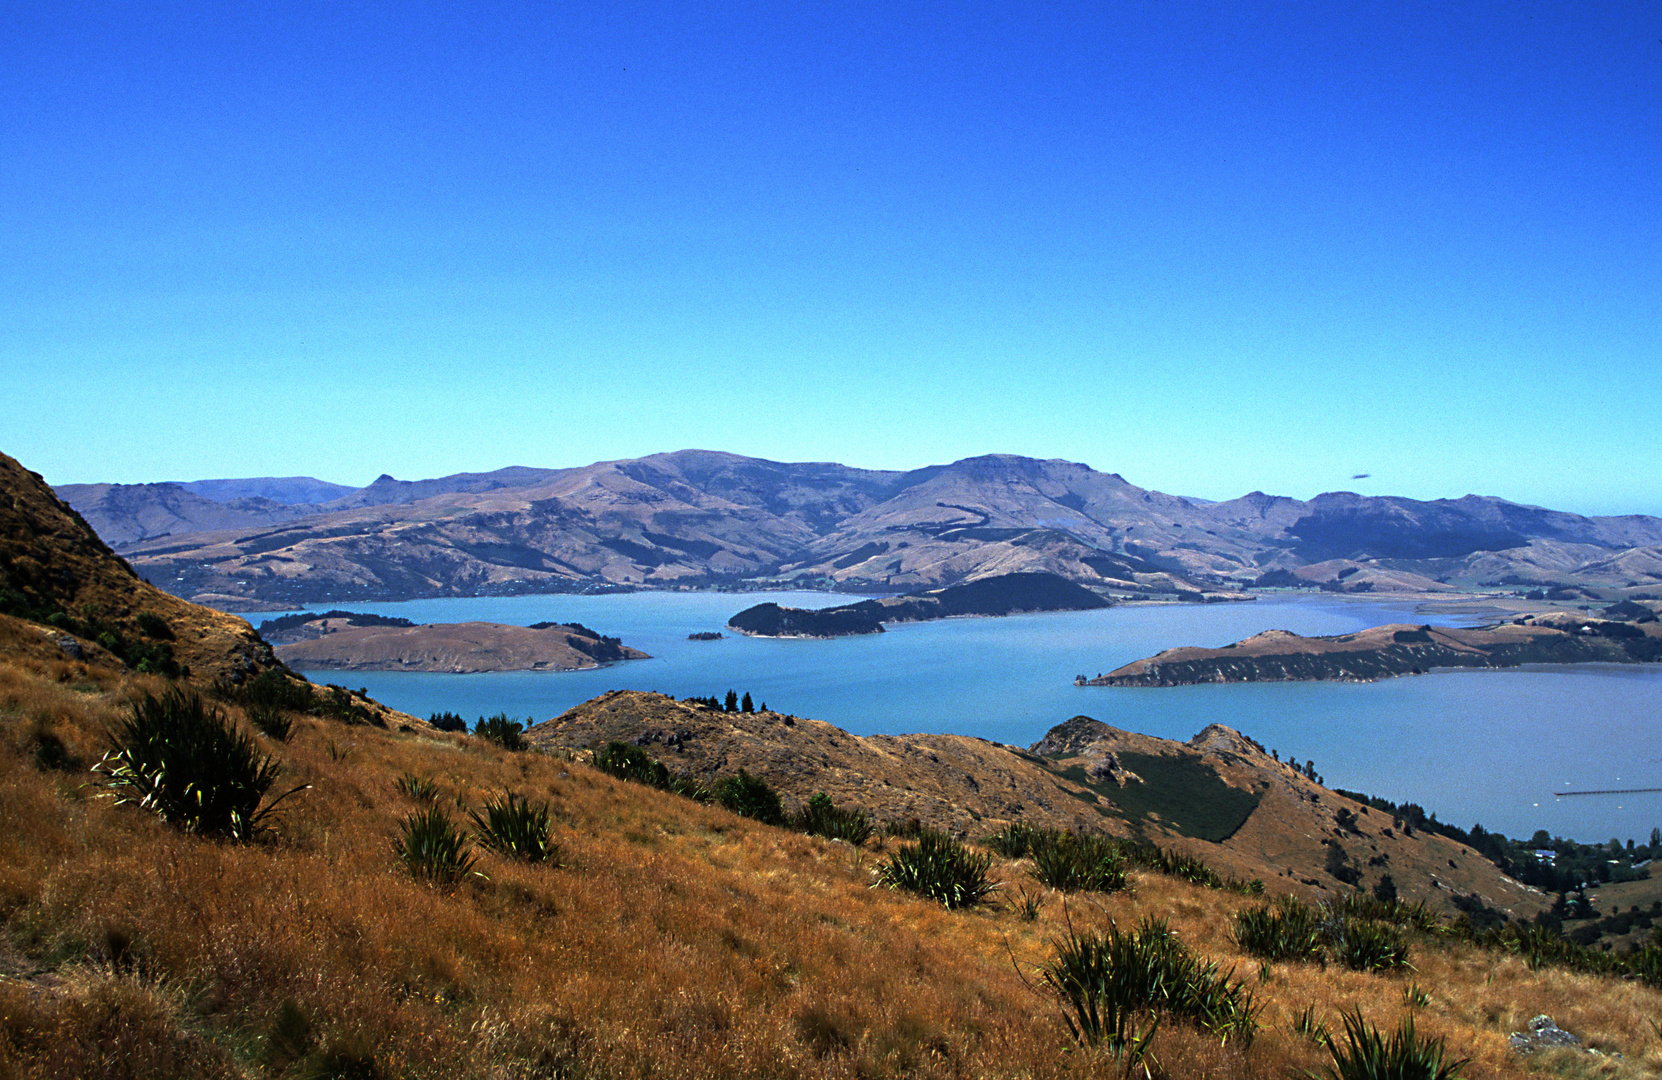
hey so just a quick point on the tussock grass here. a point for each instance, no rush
(673, 939)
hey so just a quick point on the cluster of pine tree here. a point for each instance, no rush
(732, 703)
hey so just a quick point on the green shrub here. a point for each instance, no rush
(751, 797)
(820, 817)
(1115, 986)
(1287, 930)
(940, 868)
(419, 788)
(1366, 1055)
(1016, 840)
(509, 734)
(631, 763)
(514, 828)
(447, 721)
(272, 722)
(1079, 863)
(1371, 946)
(274, 689)
(178, 757)
(152, 625)
(433, 848)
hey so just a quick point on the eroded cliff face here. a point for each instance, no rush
(1388, 651)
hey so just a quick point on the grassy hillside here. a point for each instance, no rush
(667, 937)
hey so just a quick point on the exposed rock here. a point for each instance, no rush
(1543, 1034)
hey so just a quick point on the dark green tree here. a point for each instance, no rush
(732, 702)
(747, 705)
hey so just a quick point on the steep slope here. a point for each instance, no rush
(56, 573)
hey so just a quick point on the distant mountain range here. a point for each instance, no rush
(707, 519)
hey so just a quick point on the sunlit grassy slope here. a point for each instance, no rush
(669, 939)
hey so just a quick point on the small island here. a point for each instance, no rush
(705, 635)
(1004, 594)
(1384, 652)
(348, 641)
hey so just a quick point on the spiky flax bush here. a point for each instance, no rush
(184, 760)
(1086, 862)
(1115, 985)
(1368, 1055)
(940, 868)
(1287, 930)
(821, 817)
(433, 848)
(514, 828)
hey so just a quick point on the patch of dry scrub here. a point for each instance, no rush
(671, 938)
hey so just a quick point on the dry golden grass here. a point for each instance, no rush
(672, 939)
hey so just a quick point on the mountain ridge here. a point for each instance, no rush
(697, 518)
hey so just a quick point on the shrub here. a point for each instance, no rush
(419, 788)
(1288, 930)
(433, 848)
(1089, 862)
(1109, 982)
(1366, 1055)
(751, 797)
(274, 689)
(1371, 946)
(1016, 840)
(514, 828)
(272, 722)
(627, 762)
(940, 868)
(152, 625)
(447, 721)
(820, 817)
(178, 757)
(509, 734)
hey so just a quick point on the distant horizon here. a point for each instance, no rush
(826, 461)
(1216, 248)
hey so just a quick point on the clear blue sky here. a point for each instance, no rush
(1211, 248)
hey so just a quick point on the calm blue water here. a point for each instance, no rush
(1473, 746)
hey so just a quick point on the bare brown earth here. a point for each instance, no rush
(1073, 779)
(451, 647)
(1397, 649)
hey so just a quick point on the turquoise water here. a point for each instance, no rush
(1489, 746)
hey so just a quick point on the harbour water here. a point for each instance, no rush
(1485, 746)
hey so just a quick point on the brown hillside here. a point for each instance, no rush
(1084, 776)
(452, 647)
(51, 561)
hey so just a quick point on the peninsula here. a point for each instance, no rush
(1398, 649)
(1004, 594)
(336, 642)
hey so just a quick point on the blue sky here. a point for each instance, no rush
(1211, 248)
